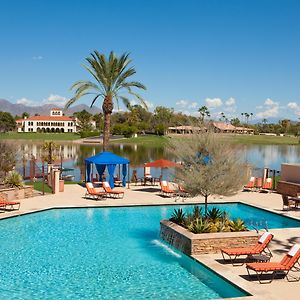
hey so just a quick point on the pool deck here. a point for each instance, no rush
(73, 196)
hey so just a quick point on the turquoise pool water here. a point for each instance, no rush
(103, 253)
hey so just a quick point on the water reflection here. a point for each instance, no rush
(73, 154)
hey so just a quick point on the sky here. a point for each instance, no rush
(234, 56)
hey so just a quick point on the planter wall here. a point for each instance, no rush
(204, 243)
(11, 194)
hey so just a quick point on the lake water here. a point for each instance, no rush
(259, 156)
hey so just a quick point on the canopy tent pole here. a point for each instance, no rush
(85, 172)
(128, 176)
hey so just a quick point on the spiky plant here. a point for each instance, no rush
(111, 76)
(178, 216)
(14, 179)
(238, 225)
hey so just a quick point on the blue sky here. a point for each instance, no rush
(231, 55)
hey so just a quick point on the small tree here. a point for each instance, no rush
(7, 159)
(50, 152)
(209, 166)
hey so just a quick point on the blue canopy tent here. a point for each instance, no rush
(103, 160)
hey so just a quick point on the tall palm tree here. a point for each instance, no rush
(204, 112)
(111, 75)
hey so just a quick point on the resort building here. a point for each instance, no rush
(229, 128)
(56, 122)
(184, 129)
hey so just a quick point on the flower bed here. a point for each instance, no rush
(10, 194)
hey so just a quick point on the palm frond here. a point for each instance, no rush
(95, 100)
(139, 97)
(126, 102)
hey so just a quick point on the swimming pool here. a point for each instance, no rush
(101, 253)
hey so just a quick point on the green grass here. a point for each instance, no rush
(38, 186)
(146, 140)
(260, 139)
(39, 136)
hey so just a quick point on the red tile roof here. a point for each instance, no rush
(47, 118)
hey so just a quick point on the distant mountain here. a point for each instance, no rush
(43, 110)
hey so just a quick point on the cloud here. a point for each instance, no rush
(26, 101)
(271, 109)
(230, 102)
(55, 99)
(182, 103)
(295, 107)
(193, 105)
(213, 102)
(38, 57)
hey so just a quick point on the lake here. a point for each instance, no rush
(259, 156)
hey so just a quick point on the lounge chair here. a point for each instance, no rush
(92, 193)
(182, 193)
(267, 186)
(258, 183)
(287, 264)
(110, 192)
(250, 185)
(288, 203)
(11, 204)
(260, 247)
(166, 190)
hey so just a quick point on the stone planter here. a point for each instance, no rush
(10, 194)
(204, 243)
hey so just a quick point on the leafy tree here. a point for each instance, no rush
(209, 166)
(50, 152)
(162, 118)
(112, 77)
(7, 122)
(204, 112)
(7, 159)
(25, 115)
(84, 119)
(235, 122)
(98, 118)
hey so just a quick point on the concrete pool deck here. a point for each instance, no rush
(73, 196)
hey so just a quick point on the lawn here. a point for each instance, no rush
(39, 136)
(260, 139)
(38, 186)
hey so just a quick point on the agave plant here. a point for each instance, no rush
(200, 226)
(178, 216)
(214, 214)
(238, 225)
(197, 212)
(14, 179)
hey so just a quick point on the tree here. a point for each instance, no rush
(50, 152)
(111, 75)
(235, 122)
(84, 119)
(7, 122)
(25, 115)
(7, 159)
(162, 118)
(209, 166)
(204, 112)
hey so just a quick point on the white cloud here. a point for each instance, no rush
(38, 57)
(182, 103)
(55, 99)
(295, 107)
(193, 105)
(271, 109)
(230, 102)
(213, 102)
(26, 101)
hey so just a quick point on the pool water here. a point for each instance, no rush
(104, 253)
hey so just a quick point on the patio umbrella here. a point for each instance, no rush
(163, 164)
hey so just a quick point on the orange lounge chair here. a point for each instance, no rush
(267, 186)
(166, 190)
(287, 264)
(250, 185)
(91, 192)
(11, 204)
(258, 183)
(260, 247)
(110, 192)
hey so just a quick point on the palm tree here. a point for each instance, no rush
(111, 75)
(204, 112)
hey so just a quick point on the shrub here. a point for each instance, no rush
(214, 221)
(14, 179)
(85, 134)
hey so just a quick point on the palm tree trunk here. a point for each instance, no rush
(205, 199)
(106, 131)
(107, 108)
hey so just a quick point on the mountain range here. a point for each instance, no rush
(43, 110)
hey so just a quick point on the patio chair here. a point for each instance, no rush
(110, 192)
(92, 193)
(267, 186)
(258, 183)
(13, 205)
(287, 264)
(260, 247)
(288, 203)
(182, 192)
(135, 178)
(250, 185)
(166, 190)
